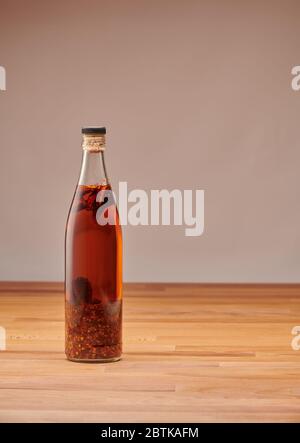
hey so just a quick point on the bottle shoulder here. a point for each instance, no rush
(93, 207)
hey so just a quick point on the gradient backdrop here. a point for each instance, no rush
(195, 94)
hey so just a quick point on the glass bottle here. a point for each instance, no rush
(93, 261)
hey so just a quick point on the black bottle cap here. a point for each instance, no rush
(93, 130)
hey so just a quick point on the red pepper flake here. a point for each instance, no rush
(93, 331)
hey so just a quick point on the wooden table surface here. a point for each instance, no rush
(192, 353)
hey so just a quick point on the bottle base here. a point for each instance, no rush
(95, 360)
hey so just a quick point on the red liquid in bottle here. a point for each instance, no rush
(93, 283)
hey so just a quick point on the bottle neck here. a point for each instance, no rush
(93, 170)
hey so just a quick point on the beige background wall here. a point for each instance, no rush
(195, 94)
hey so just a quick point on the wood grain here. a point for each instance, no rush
(192, 353)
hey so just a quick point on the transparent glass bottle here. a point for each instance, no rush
(93, 261)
